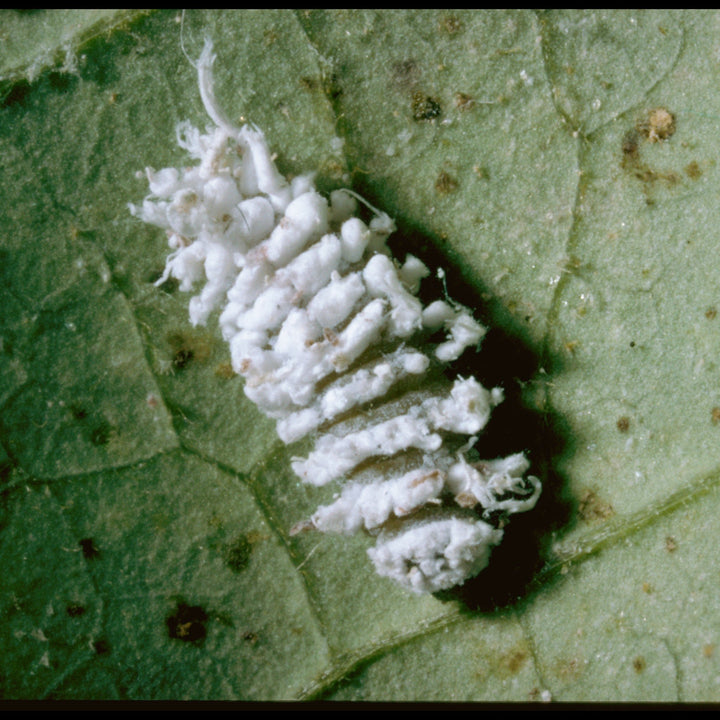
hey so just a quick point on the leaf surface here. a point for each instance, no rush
(561, 166)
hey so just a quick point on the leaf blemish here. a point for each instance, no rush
(187, 623)
(592, 508)
(406, 73)
(451, 24)
(89, 549)
(225, 371)
(250, 637)
(187, 347)
(445, 183)
(102, 433)
(425, 108)
(623, 424)
(658, 125)
(693, 170)
(101, 647)
(464, 102)
(237, 553)
(514, 660)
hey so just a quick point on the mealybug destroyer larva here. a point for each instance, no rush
(323, 323)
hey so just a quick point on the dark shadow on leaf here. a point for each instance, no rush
(14, 94)
(504, 360)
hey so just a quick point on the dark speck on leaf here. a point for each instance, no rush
(237, 553)
(101, 646)
(89, 550)
(425, 108)
(187, 623)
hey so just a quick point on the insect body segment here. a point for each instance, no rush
(323, 323)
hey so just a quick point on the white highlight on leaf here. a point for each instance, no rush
(332, 340)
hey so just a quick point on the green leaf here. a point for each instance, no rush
(35, 39)
(562, 166)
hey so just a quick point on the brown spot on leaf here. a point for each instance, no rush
(225, 371)
(78, 413)
(592, 508)
(451, 24)
(250, 637)
(657, 125)
(89, 549)
(464, 102)
(187, 623)
(670, 544)
(270, 37)
(513, 660)
(715, 415)
(94, 428)
(639, 664)
(75, 610)
(445, 183)
(630, 147)
(188, 347)
(693, 170)
(711, 313)
(237, 553)
(425, 107)
(623, 424)
(309, 83)
(101, 646)
(568, 669)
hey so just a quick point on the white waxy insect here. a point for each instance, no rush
(332, 340)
